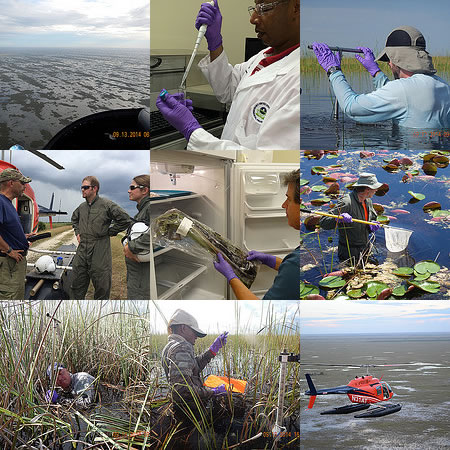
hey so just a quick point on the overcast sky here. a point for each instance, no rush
(75, 23)
(114, 169)
(352, 23)
(345, 317)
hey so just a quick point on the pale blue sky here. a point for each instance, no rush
(352, 23)
(345, 317)
(75, 23)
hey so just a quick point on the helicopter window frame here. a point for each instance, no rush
(379, 390)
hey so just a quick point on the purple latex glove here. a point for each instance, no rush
(346, 218)
(224, 268)
(219, 390)
(219, 342)
(177, 114)
(51, 396)
(368, 61)
(210, 15)
(268, 260)
(325, 57)
(375, 227)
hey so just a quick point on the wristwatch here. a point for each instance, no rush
(332, 69)
(9, 250)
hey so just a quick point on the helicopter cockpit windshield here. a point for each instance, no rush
(386, 390)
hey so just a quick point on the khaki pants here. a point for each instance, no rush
(12, 278)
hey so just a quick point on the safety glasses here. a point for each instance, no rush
(132, 188)
(264, 8)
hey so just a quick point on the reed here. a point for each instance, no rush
(117, 342)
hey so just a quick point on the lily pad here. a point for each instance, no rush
(383, 219)
(440, 213)
(416, 196)
(320, 188)
(406, 162)
(427, 286)
(320, 201)
(414, 172)
(379, 209)
(392, 168)
(332, 156)
(403, 271)
(311, 222)
(429, 168)
(332, 282)
(319, 170)
(399, 291)
(307, 289)
(303, 182)
(431, 205)
(422, 276)
(427, 266)
(329, 179)
(333, 189)
(441, 161)
(373, 288)
(355, 293)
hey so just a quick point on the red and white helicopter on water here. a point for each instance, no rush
(363, 391)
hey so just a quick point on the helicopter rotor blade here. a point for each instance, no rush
(356, 366)
(46, 159)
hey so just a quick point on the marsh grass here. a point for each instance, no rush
(116, 342)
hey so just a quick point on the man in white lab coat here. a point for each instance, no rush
(286, 285)
(264, 92)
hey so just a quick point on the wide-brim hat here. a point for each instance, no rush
(13, 174)
(405, 47)
(181, 317)
(368, 180)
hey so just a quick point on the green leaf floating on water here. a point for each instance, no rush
(416, 196)
(383, 219)
(307, 289)
(440, 213)
(319, 169)
(399, 291)
(427, 286)
(332, 156)
(303, 182)
(414, 172)
(427, 266)
(403, 271)
(355, 293)
(320, 201)
(373, 288)
(422, 276)
(332, 282)
(319, 188)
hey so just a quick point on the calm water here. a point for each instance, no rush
(43, 90)
(320, 131)
(422, 389)
(429, 238)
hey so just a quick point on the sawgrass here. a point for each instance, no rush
(116, 342)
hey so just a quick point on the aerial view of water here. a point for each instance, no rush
(421, 387)
(42, 90)
(319, 130)
(429, 238)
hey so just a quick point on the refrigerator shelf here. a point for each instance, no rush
(157, 251)
(166, 196)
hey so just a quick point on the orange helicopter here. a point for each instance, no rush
(363, 391)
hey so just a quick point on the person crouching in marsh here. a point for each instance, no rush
(183, 369)
(78, 386)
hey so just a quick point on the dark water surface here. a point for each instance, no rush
(429, 238)
(423, 390)
(319, 130)
(44, 90)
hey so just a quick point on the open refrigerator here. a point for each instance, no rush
(241, 201)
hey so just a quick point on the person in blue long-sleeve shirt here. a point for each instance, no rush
(417, 98)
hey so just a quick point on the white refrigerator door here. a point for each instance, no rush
(258, 222)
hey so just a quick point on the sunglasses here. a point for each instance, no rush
(84, 188)
(132, 188)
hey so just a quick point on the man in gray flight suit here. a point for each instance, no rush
(183, 369)
(13, 241)
(79, 386)
(94, 222)
(138, 271)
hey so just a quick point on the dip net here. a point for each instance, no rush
(396, 238)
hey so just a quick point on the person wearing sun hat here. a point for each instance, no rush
(183, 369)
(356, 205)
(417, 98)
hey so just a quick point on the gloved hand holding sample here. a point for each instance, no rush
(210, 15)
(346, 218)
(176, 113)
(375, 227)
(265, 258)
(219, 390)
(224, 268)
(325, 57)
(368, 62)
(219, 342)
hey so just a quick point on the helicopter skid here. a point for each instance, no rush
(380, 411)
(346, 409)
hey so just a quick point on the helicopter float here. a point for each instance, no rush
(362, 391)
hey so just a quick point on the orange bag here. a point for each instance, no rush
(237, 385)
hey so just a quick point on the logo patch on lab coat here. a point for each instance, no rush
(260, 111)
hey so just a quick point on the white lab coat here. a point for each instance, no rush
(265, 107)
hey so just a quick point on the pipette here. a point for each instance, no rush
(201, 33)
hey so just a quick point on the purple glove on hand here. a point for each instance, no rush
(177, 114)
(219, 342)
(325, 56)
(51, 396)
(374, 228)
(268, 260)
(368, 61)
(224, 268)
(210, 15)
(219, 390)
(346, 218)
